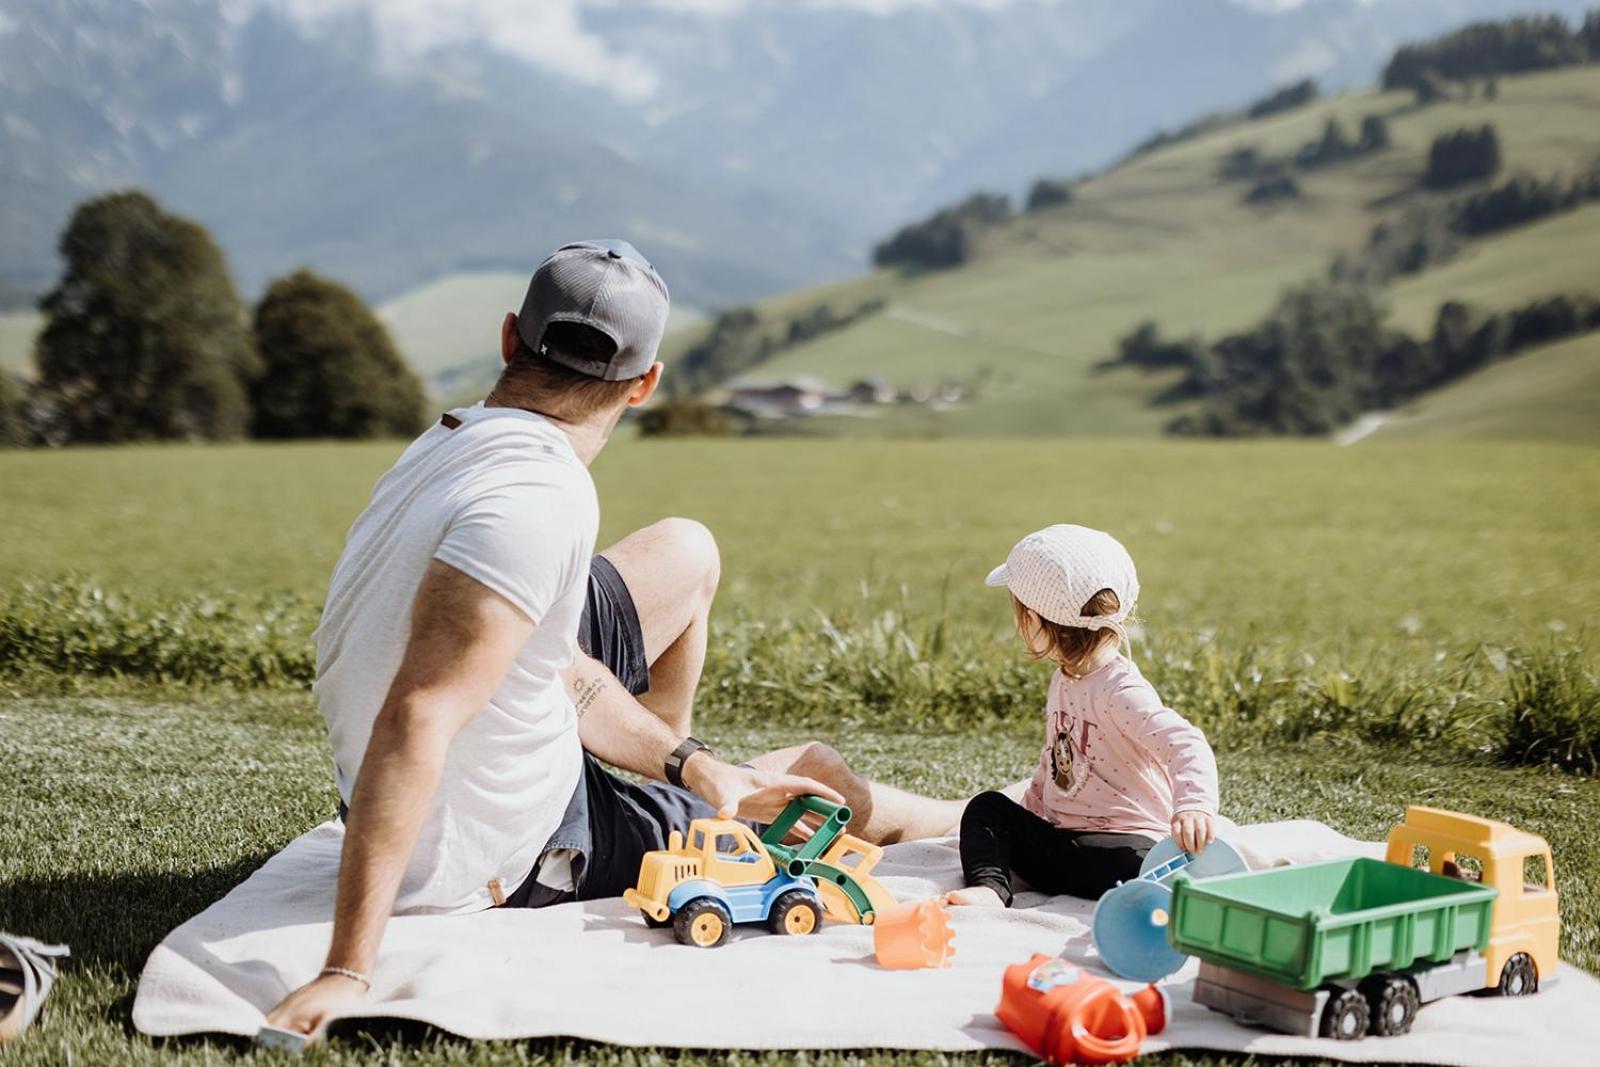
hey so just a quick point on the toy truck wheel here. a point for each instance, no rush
(703, 923)
(794, 913)
(1518, 978)
(1393, 1004)
(1346, 1016)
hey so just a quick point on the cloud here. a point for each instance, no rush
(552, 33)
(549, 33)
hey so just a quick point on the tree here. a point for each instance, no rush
(684, 418)
(1049, 192)
(1422, 236)
(144, 336)
(1374, 134)
(13, 430)
(946, 238)
(1462, 156)
(1285, 99)
(329, 366)
(1464, 338)
(1272, 187)
(1332, 147)
(1528, 42)
(1242, 162)
(1589, 34)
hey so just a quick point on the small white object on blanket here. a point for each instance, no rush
(595, 971)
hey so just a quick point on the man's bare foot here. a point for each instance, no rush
(976, 896)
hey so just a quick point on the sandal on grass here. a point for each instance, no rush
(27, 971)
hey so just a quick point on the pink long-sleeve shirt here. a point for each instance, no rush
(1117, 759)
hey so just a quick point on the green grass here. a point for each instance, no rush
(103, 850)
(1161, 237)
(1404, 548)
(1357, 628)
(1551, 393)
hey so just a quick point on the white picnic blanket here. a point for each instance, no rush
(595, 971)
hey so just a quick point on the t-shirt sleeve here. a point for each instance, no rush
(526, 538)
(1172, 741)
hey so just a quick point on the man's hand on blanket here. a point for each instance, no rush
(747, 792)
(309, 1008)
(1192, 830)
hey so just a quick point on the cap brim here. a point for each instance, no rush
(997, 576)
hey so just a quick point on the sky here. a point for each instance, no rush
(552, 33)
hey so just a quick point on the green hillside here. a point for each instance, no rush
(1552, 393)
(17, 330)
(1163, 237)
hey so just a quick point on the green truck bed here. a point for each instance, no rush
(1306, 925)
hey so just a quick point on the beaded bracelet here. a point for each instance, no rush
(346, 972)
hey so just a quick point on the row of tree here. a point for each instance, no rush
(948, 237)
(1487, 49)
(145, 338)
(1432, 232)
(1334, 146)
(1325, 355)
(1271, 176)
(1287, 98)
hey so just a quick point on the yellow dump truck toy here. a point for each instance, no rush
(1351, 947)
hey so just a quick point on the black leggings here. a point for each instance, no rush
(999, 836)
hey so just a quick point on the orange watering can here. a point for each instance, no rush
(1067, 1016)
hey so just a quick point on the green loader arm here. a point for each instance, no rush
(793, 858)
(804, 859)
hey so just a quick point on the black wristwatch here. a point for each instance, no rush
(680, 756)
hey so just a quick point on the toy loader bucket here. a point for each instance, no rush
(836, 902)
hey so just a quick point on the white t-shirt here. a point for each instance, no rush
(504, 499)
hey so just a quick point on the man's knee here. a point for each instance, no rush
(691, 545)
(822, 762)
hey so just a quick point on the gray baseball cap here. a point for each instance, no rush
(607, 285)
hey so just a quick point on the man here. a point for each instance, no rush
(464, 720)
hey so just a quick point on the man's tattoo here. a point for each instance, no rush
(588, 691)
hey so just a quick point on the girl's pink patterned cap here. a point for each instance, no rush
(1059, 569)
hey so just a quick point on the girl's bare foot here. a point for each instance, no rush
(977, 896)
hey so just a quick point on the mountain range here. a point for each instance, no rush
(749, 146)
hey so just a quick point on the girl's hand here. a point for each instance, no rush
(1192, 830)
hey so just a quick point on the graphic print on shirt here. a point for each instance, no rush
(1068, 765)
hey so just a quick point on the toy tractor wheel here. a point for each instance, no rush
(1393, 1003)
(795, 913)
(1346, 1016)
(703, 923)
(1518, 977)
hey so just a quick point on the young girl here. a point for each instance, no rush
(1119, 770)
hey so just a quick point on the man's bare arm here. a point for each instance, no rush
(464, 637)
(617, 728)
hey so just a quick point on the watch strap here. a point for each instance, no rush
(680, 756)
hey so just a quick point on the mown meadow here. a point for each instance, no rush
(1356, 628)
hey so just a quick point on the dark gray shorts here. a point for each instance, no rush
(609, 628)
(611, 822)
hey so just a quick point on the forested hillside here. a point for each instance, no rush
(1150, 297)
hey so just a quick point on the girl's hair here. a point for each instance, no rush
(1072, 648)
